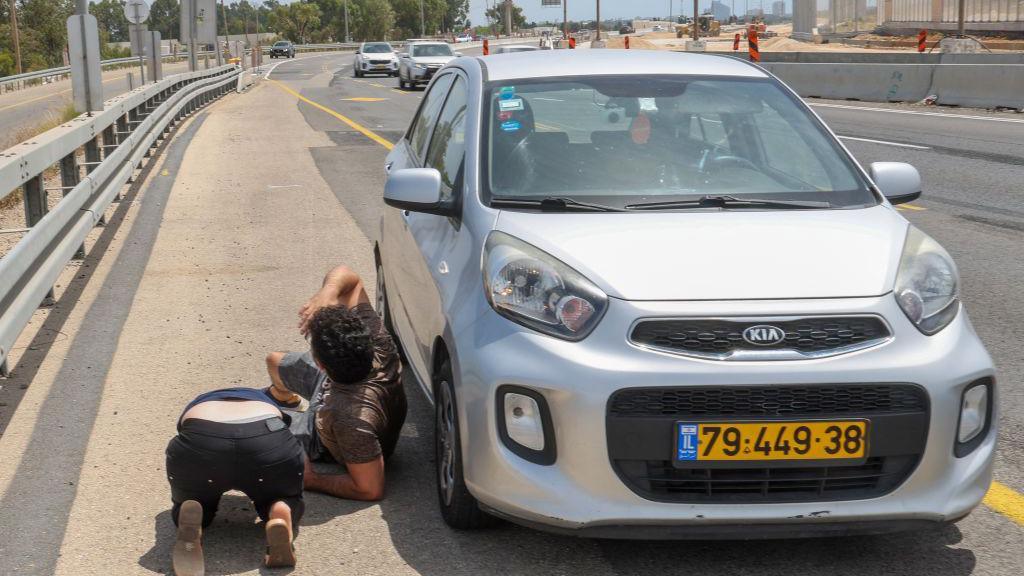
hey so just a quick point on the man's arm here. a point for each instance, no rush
(341, 286)
(363, 481)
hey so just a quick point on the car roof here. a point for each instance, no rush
(561, 63)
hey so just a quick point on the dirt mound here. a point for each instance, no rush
(635, 43)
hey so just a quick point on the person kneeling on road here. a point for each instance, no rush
(351, 378)
(234, 439)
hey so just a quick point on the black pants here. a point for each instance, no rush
(261, 459)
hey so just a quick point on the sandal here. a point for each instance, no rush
(280, 551)
(187, 557)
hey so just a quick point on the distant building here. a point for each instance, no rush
(910, 15)
(755, 12)
(720, 11)
(778, 9)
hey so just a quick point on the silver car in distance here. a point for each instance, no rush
(651, 295)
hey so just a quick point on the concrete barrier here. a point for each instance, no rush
(889, 58)
(979, 85)
(870, 82)
(975, 85)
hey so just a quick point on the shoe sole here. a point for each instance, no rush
(187, 556)
(279, 544)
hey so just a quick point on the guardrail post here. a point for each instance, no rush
(35, 208)
(70, 176)
(109, 143)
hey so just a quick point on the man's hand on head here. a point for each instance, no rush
(326, 296)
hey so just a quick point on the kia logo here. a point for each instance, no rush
(764, 335)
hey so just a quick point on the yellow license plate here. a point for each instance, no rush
(745, 441)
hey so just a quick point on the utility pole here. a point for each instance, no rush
(695, 25)
(423, 25)
(17, 45)
(348, 38)
(960, 19)
(508, 17)
(597, 24)
(565, 19)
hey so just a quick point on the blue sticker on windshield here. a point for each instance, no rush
(511, 125)
(686, 446)
(507, 92)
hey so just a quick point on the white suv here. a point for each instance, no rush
(375, 58)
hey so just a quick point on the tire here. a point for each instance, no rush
(401, 82)
(459, 509)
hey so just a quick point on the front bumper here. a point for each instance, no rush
(388, 68)
(422, 74)
(582, 493)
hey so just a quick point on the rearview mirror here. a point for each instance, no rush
(416, 190)
(899, 182)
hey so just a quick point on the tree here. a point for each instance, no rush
(407, 17)
(110, 18)
(165, 17)
(455, 15)
(497, 16)
(370, 19)
(42, 26)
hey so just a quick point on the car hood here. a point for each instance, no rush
(433, 59)
(723, 255)
(378, 55)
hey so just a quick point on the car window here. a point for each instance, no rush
(431, 50)
(424, 122)
(614, 140)
(281, 44)
(448, 145)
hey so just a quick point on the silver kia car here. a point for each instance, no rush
(651, 295)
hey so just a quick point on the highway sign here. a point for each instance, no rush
(136, 11)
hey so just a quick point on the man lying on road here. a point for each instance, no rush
(233, 439)
(352, 379)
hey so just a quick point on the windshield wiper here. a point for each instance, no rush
(555, 203)
(730, 202)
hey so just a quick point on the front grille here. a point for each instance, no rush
(641, 428)
(659, 480)
(759, 401)
(380, 61)
(722, 338)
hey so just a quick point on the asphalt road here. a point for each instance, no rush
(200, 270)
(970, 163)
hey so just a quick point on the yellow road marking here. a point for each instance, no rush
(402, 92)
(377, 85)
(913, 207)
(364, 99)
(1006, 501)
(352, 123)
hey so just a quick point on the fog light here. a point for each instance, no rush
(523, 421)
(973, 413)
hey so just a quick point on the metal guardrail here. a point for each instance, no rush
(113, 143)
(9, 83)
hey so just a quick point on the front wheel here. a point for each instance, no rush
(401, 82)
(459, 508)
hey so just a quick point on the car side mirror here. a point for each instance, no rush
(403, 54)
(899, 182)
(357, 50)
(416, 190)
(457, 54)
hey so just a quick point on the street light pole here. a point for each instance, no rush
(14, 35)
(348, 38)
(597, 25)
(423, 25)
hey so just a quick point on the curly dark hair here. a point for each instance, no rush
(341, 343)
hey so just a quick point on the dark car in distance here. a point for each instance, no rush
(282, 49)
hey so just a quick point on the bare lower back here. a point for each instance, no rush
(230, 410)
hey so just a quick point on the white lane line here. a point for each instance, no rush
(271, 69)
(916, 113)
(887, 143)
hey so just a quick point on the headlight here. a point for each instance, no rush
(421, 66)
(533, 288)
(927, 284)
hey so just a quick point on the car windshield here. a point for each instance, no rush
(376, 48)
(431, 50)
(282, 44)
(626, 140)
